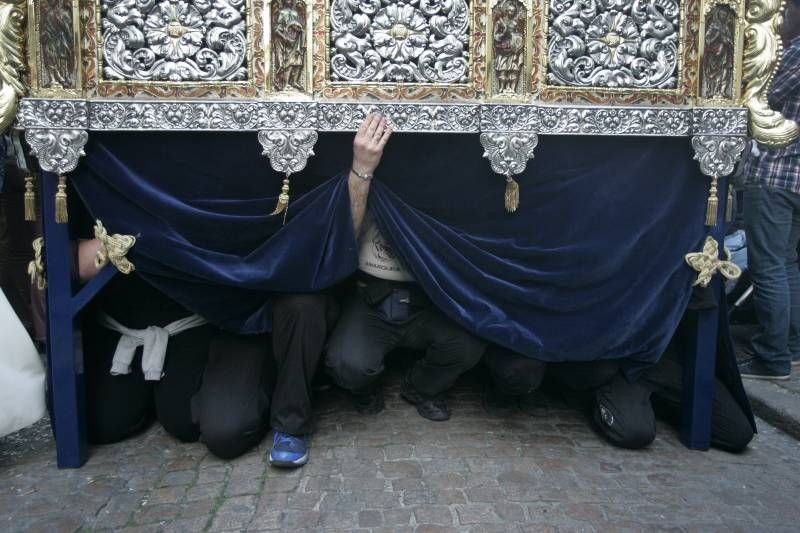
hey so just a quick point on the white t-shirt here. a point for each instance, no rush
(376, 256)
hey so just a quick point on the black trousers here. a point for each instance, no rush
(625, 413)
(362, 339)
(512, 373)
(299, 327)
(215, 386)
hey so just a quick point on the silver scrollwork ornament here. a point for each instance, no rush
(717, 155)
(399, 41)
(614, 43)
(174, 40)
(58, 151)
(288, 151)
(508, 153)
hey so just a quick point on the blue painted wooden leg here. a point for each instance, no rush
(64, 354)
(700, 367)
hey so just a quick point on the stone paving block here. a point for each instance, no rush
(181, 477)
(397, 517)
(438, 515)
(204, 492)
(371, 518)
(243, 486)
(302, 519)
(270, 520)
(476, 513)
(148, 514)
(234, 513)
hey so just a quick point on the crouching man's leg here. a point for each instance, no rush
(510, 376)
(356, 352)
(623, 413)
(300, 324)
(449, 352)
(231, 407)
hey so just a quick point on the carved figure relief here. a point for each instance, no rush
(396, 41)
(174, 40)
(57, 45)
(717, 68)
(508, 46)
(613, 43)
(288, 44)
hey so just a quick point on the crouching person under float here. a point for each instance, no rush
(389, 310)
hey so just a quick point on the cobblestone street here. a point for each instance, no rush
(545, 471)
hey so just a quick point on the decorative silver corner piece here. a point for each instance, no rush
(58, 151)
(508, 152)
(717, 155)
(288, 150)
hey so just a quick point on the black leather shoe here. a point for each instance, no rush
(433, 408)
(368, 402)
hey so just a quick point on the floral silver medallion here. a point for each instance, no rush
(174, 40)
(613, 43)
(399, 41)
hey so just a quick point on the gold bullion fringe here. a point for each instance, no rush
(62, 217)
(30, 199)
(512, 194)
(283, 200)
(729, 204)
(712, 205)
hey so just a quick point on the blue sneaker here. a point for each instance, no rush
(288, 450)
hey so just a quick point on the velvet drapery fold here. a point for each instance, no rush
(590, 266)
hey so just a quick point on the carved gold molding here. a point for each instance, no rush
(762, 54)
(12, 21)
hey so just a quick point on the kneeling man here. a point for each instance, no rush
(390, 310)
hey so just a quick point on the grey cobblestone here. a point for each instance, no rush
(397, 472)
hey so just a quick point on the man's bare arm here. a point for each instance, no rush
(368, 146)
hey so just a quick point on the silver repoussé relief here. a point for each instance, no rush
(508, 152)
(58, 151)
(717, 155)
(613, 43)
(390, 41)
(288, 150)
(174, 40)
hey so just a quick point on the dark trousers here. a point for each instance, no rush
(299, 327)
(362, 339)
(214, 388)
(513, 373)
(625, 412)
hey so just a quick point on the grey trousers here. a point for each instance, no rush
(362, 338)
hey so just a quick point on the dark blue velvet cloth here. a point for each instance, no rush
(591, 265)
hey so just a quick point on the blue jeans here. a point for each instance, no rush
(772, 223)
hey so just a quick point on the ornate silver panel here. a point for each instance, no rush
(508, 152)
(174, 40)
(399, 41)
(613, 43)
(457, 118)
(53, 113)
(641, 121)
(717, 154)
(288, 150)
(241, 116)
(187, 115)
(720, 121)
(58, 151)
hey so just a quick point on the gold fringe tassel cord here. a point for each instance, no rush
(36, 266)
(712, 205)
(283, 200)
(729, 204)
(30, 199)
(62, 217)
(512, 194)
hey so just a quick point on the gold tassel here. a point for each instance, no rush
(62, 217)
(30, 199)
(729, 204)
(713, 204)
(512, 194)
(283, 200)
